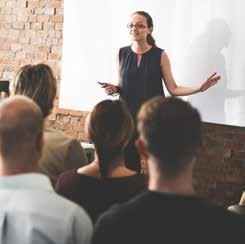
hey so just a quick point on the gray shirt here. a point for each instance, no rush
(60, 153)
(31, 212)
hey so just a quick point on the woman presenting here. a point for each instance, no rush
(141, 68)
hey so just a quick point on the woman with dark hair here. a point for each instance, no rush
(60, 152)
(106, 180)
(142, 67)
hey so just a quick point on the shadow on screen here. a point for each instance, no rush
(204, 57)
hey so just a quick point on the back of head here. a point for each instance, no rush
(110, 128)
(38, 83)
(21, 126)
(171, 130)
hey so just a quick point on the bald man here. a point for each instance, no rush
(30, 210)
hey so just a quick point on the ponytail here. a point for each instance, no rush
(105, 156)
(103, 161)
(150, 40)
(110, 127)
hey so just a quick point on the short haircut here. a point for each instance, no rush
(171, 129)
(38, 83)
(21, 123)
(110, 128)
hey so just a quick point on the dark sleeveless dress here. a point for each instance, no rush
(138, 84)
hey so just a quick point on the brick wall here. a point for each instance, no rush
(31, 32)
(220, 170)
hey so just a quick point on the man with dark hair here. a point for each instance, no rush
(60, 152)
(30, 210)
(169, 212)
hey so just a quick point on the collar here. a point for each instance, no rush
(28, 181)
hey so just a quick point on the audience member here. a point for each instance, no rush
(239, 208)
(242, 200)
(169, 212)
(30, 210)
(106, 180)
(60, 153)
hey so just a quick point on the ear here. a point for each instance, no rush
(142, 149)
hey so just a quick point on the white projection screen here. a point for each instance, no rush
(200, 37)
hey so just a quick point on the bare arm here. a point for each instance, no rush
(242, 200)
(176, 90)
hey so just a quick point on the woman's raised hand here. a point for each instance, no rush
(211, 81)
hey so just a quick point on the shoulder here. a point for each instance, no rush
(60, 139)
(74, 145)
(139, 180)
(164, 58)
(67, 181)
(72, 180)
(120, 218)
(110, 224)
(124, 51)
(48, 207)
(51, 134)
(67, 206)
(124, 210)
(79, 222)
(91, 170)
(71, 174)
(158, 49)
(164, 53)
(74, 220)
(59, 142)
(107, 229)
(157, 53)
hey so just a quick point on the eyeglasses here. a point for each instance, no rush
(137, 26)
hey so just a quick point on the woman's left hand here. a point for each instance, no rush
(211, 81)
